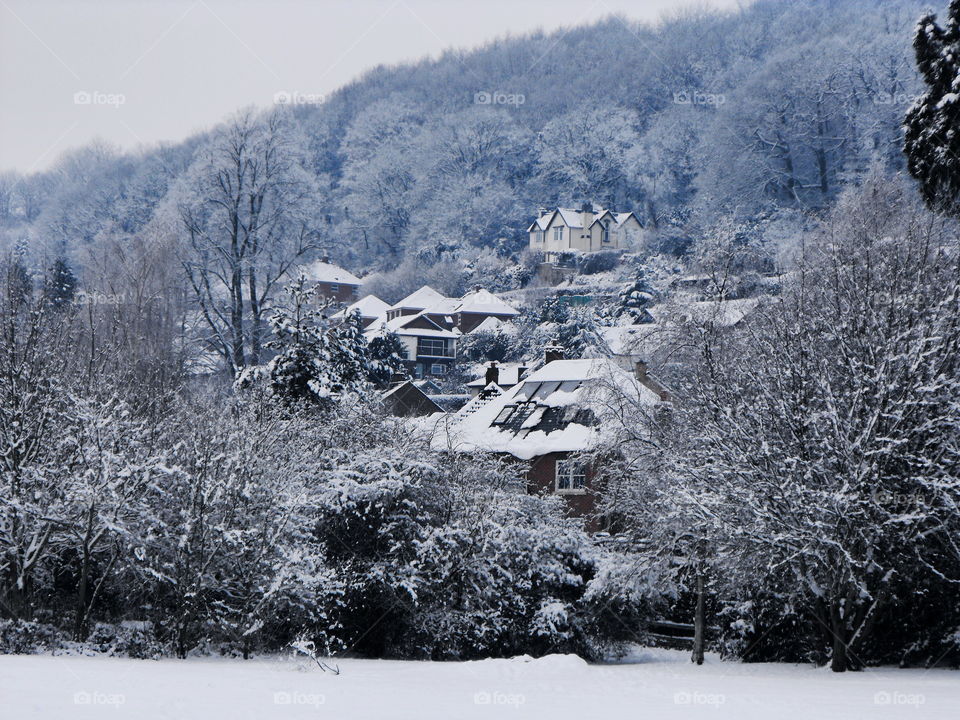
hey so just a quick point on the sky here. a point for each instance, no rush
(137, 72)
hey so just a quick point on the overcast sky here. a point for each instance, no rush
(136, 72)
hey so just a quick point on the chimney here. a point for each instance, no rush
(325, 258)
(551, 353)
(541, 211)
(640, 370)
(586, 217)
(493, 374)
(521, 373)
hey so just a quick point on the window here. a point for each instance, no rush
(438, 369)
(571, 476)
(558, 234)
(334, 288)
(605, 233)
(418, 371)
(539, 236)
(432, 347)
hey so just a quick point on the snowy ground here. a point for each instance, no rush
(652, 684)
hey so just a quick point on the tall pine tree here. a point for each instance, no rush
(931, 137)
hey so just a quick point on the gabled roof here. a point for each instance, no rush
(574, 219)
(369, 306)
(565, 406)
(400, 326)
(421, 299)
(484, 302)
(325, 272)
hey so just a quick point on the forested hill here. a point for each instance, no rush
(758, 114)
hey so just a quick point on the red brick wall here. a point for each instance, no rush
(345, 293)
(542, 479)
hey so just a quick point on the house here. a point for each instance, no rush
(430, 347)
(551, 418)
(464, 314)
(370, 308)
(504, 376)
(588, 229)
(332, 282)
(406, 399)
(480, 306)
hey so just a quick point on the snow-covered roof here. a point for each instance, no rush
(369, 306)
(507, 376)
(565, 406)
(573, 218)
(485, 302)
(325, 272)
(399, 326)
(421, 299)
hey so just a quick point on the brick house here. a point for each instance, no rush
(333, 282)
(552, 419)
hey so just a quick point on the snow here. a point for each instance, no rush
(369, 306)
(485, 302)
(647, 684)
(328, 273)
(425, 297)
(592, 384)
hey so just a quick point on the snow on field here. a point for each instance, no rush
(650, 684)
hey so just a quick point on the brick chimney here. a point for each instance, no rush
(492, 374)
(643, 377)
(551, 353)
(586, 217)
(521, 373)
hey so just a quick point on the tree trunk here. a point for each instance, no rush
(698, 622)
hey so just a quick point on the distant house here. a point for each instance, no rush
(370, 308)
(406, 399)
(465, 314)
(431, 348)
(333, 282)
(479, 306)
(585, 230)
(551, 418)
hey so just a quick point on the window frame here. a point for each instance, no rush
(421, 341)
(441, 371)
(567, 471)
(558, 233)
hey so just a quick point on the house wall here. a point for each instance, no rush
(467, 322)
(344, 293)
(542, 479)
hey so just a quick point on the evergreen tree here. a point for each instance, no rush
(60, 285)
(315, 362)
(386, 353)
(635, 298)
(931, 141)
(18, 283)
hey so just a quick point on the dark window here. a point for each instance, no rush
(571, 476)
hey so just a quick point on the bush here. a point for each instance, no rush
(20, 637)
(132, 640)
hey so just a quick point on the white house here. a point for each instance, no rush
(588, 229)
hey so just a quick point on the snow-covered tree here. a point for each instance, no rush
(931, 142)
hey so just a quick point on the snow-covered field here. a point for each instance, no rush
(650, 684)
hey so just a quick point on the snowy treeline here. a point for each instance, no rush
(807, 482)
(290, 509)
(760, 113)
